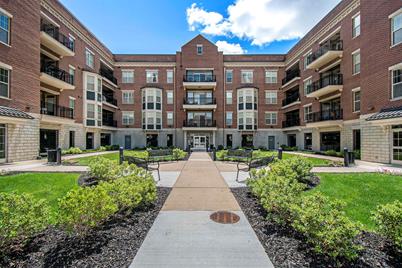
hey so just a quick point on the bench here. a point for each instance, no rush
(154, 158)
(253, 163)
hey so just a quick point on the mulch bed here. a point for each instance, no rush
(287, 248)
(114, 244)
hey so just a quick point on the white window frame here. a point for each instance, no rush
(169, 118)
(94, 111)
(354, 64)
(271, 79)
(306, 83)
(88, 62)
(246, 73)
(354, 26)
(394, 84)
(127, 118)
(229, 92)
(229, 117)
(169, 76)
(268, 97)
(9, 17)
(271, 118)
(305, 114)
(152, 79)
(226, 76)
(169, 100)
(8, 69)
(305, 58)
(392, 18)
(354, 91)
(124, 99)
(127, 79)
(71, 100)
(200, 52)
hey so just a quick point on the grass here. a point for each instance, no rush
(362, 192)
(316, 162)
(48, 186)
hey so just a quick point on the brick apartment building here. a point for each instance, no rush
(340, 86)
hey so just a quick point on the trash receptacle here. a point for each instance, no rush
(51, 156)
(351, 157)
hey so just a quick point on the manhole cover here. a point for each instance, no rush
(224, 217)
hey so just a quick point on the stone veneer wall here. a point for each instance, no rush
(23, 140)
(376, 143)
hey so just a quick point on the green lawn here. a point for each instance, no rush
(48, 186)
(361, 192)
(84, 161)
(316, 162)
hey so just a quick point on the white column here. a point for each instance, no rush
(213, 138)
(185, 140)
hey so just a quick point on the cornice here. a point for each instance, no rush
(144, 64)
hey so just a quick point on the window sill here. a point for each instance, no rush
(5, 44)
(5, 98)
(396, 99)
(395, 45)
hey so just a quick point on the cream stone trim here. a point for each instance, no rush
(292, 64)
(396, 13)
(50, 55)
(330, 66)
(104, 62)
(49, 91)
(395, 67)
(308, 78)
(5, 66)
(8, 14)
(330, 35)
(144, 64)
(330, 98)
(356, 89)
(307, 105)
(254, 64)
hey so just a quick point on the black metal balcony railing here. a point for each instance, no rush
(49, 108)
(57, 73)
(327, 115)
(109, 122)
(324, 81)
(291, 122)
(108, 74)
(291, 98)
(54, 32)
(199, 78)
(199, 101)
(109, 99)
(290, 75)
(199, 123)
(328, 46)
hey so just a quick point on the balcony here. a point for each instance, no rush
(108, 100)
(325, 118)
(55, 77)
(108, 74)
(291, 76)
(326, 85)
(51, 110)
(199, 103)
(199, 81)
(291, 99)
(327, 53)
(291, 122)
(206, 124)
(109, 123)
(51, 38)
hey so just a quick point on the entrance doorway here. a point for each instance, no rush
(331, 141)
(127, 142)
(169, 140)
(106, 139)
(3, 139)
(292, 142)
(308, 141)
(48, 140)
(200, 142)
(247, 141)
(152, 140)
(271, 142)
(229, 141)
(356, 139)
(90, 140)
(397, 144)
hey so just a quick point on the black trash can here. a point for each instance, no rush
(351, 157)
(52, 156)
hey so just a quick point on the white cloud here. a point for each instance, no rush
(261, 21)
(229, 48)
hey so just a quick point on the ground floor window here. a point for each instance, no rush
(106, 139)
(48, 140)
(152, 140)
(397, 144)
(247, 141)
(72, 139)
(90, 140)
(356, 139)
(331, 141)
(3, 140)
(271, 142)
(169, 140)
(308, 141)
(292, 141)
(229, 141)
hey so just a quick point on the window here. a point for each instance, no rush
(271, 118)
(169, 116)
(271, 97)
(396, 27)
(4, 82)
(90, 83)
(199, 50)
(397, 83)
(356, 26)
(229, 118)
(71, 71)
(72, 139)
(127, 77)
(356, 62)
(229, 97)
(308, 111)
(247, 77)
(271, 77)
(306, 60)
(71, 104)
(229, 76)
(127, 118)
(169, 97)
(71, 40)
(4, 28)
(356, 101)
(91, 111)
(89, 58)
(128, 97)
(152, 76)
(307, 86)
(169, 76)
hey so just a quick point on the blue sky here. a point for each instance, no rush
(163, 26)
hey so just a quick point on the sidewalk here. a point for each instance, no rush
(183, 235)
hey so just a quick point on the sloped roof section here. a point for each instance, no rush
(387, 113)
(12, 112)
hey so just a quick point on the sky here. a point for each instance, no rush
(235, 26)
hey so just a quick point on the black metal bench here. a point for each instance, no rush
(253, 163)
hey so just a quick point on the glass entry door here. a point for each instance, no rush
(397, 145)
(200, 142)
(2, 143)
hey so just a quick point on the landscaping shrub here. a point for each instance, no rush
(388, 219)
(102, 149)
(323, 222)
(21, 216)
(220, 147)
(289, 148)
(72, 150)
(333, 153)
(179, 154)
(297, 168)
(357, 154)
(84, 208)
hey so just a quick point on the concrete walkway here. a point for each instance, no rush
(183, 234)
